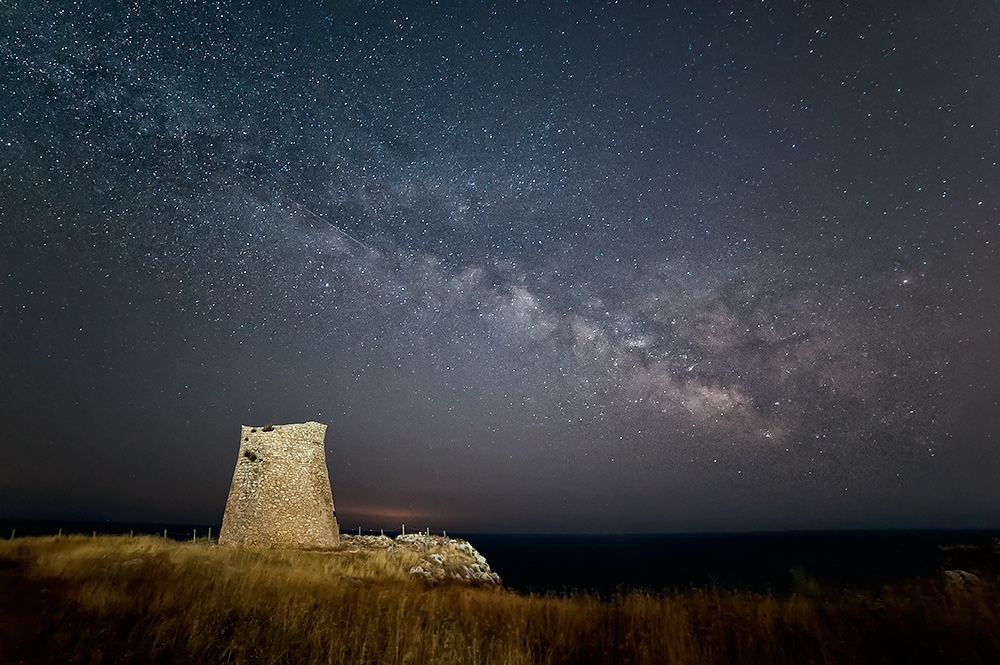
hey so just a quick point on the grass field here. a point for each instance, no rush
(76, 599)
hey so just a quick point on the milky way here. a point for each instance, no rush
(590, 267)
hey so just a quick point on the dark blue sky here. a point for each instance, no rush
(575, 267)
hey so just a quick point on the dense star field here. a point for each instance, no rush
(573, 267)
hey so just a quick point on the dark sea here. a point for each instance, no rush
(776, 563)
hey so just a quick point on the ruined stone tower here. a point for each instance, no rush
(280, 496)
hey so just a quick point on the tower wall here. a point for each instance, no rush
(280, 496)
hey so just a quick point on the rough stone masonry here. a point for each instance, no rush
(280, 496)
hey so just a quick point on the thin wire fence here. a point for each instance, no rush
(201, 534)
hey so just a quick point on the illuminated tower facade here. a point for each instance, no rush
(280, 496)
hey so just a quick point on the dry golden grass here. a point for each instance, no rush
(147, 599)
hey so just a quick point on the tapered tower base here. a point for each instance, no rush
(280, 496)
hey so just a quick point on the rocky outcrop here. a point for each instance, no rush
(960, 580)
(442, 559)
(280, 495)
(964, 565)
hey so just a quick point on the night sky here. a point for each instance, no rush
(541, 267)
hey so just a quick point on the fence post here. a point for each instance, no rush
(93, 536)
(382, 531)
(194, 536)
(12, 533)
(164, 533)
(60, 532)
(209, 534)
(404, 529)
(131, 533)
(359, 531)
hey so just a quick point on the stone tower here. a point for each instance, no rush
(280, 496)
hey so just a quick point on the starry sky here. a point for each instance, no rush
(541, 267)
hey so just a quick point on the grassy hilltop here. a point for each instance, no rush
(77, 599)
